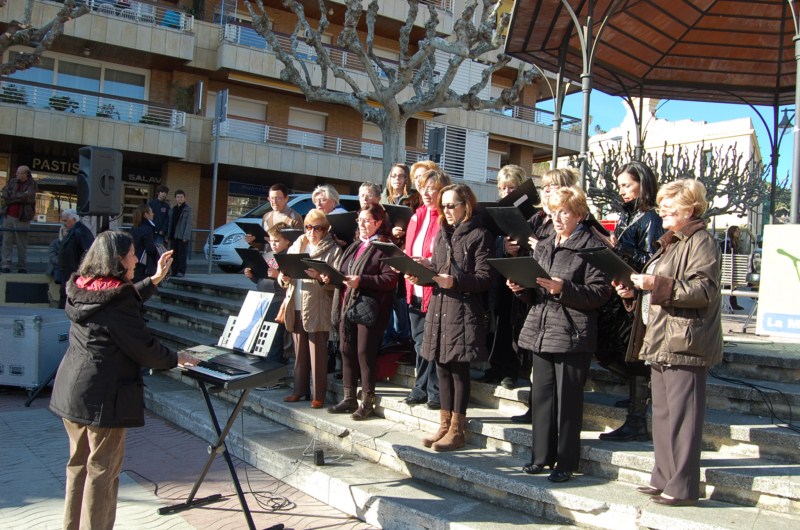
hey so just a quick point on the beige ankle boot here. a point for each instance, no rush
(455, 437)
(444, 426)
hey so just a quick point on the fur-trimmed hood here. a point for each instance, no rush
(87, 296)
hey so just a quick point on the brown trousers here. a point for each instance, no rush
(679, 406)
(310, 356)
(95, 461)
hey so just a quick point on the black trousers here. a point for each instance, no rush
(360, 356)
(557, 407)
(180, 256)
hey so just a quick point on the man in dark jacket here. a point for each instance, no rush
(160, 207)
(180, 233)
(76, 242)
(18, 201)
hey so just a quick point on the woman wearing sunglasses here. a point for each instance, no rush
(308, 310)
(361, 311)
(455, 333)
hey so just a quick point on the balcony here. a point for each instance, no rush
(148, 27)
(540, 117)
(49, 112)
(251, 143)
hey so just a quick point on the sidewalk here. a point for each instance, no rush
(161, 464)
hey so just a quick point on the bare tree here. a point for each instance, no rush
(22, 33)
(473, 36)
(735, 185)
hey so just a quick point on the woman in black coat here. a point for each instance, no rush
(144, 242)
(455, 333)
(367, 290)
(634, 240)
(98, 389)
(561, 331)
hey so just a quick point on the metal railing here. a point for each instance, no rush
(86, 103)
(251, 131)
(140, 12)
(539, 117)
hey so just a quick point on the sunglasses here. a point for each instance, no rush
(315, 228)
(452, 205)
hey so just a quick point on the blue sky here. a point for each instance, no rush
(608, 112)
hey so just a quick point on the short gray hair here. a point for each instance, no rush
(328, 191)
(71, 213)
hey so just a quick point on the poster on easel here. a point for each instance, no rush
(248, 322)
(779, 290)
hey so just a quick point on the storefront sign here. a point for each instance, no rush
(142, 176)
(63, 166)
(242, 188)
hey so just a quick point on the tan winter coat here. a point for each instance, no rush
(685, 324)
(317, 299)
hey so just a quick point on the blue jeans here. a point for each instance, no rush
(427, 384)
(398, 329)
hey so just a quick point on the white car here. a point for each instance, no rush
(228, 237)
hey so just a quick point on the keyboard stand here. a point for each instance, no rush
(214, 450)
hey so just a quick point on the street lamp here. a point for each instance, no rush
(783, 126)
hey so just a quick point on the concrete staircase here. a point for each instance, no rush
(382, 474)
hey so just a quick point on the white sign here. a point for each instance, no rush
(778, 309)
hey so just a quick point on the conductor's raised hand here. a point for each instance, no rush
(164, 263)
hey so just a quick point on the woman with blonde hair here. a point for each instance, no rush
(677, 330)
(561, 331)
(308, 310)
(418, 169)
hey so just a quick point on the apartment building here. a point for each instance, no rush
(142, 77)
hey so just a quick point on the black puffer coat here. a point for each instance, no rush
(99, 381)
(566, 323)
(455, 328)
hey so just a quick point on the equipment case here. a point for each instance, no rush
(32, 343)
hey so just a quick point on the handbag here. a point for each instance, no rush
(363, 311)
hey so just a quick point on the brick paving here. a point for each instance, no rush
(161, 465)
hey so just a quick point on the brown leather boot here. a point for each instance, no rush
(455, 437)
(444, 426)
(367, 407)
(347, 405)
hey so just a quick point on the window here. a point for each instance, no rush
(305, 119)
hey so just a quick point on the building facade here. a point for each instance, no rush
(141, 77)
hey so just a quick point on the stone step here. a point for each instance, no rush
(739, 394)
(176, 338)
(209, 303)
(363, 489)
(202, 285)
(184, 317)
(489, 475)
(760, 358)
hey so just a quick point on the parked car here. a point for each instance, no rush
(228, 237)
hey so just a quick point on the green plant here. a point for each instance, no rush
(13, 94)
(149, 119)
(63, 103)
(107, 110)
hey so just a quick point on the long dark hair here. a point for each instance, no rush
(648, 186)
(104, 257)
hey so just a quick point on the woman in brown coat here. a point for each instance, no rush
(677, 329)
(308, 310)
(455, 333)
(367, 289)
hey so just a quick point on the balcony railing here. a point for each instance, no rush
(246, 36)
(540, 117)
(252, 131)
(148, 13)
(86, 103)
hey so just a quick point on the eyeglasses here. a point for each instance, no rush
(452, 205)
(364, 221)
(315, 228)
(550, 187)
